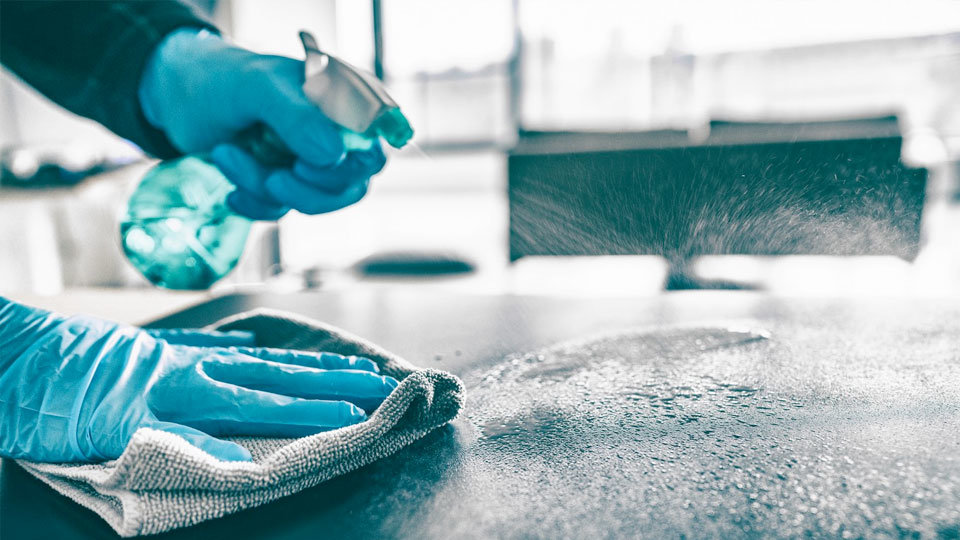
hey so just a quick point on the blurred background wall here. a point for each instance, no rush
(472, 75)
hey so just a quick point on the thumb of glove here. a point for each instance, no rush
(220, 449)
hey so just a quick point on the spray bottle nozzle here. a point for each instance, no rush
(354, 99)
(393, 127)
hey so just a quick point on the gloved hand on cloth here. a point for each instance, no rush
(75, 389)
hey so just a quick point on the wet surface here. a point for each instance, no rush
(653, 432)
(776, 418)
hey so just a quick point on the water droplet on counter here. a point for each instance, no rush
(681, 432)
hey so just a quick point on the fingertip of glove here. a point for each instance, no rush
(231, 452)
(359, 362)
(322, 139)
(375, 158)
(306, 131)
(283, 185)
(222, 450)
(350, 414)
(225, 155)
(252, 207)
(219, 449)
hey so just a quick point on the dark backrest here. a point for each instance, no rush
(835, 188)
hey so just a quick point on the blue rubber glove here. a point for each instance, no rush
(201, 92)
(77, 388)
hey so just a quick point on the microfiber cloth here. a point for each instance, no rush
(162, 483)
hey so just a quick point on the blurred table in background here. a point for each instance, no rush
(862, 437)
(131, 306)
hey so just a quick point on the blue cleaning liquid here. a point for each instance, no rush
(178, 230)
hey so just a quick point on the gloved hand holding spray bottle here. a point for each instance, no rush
(186, 224)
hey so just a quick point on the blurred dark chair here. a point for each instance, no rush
(831, 188)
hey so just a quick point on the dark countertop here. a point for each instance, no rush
(844, 423)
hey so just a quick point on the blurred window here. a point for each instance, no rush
(448, 63)
(622, 64)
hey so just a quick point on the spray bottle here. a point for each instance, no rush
(179, 231)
